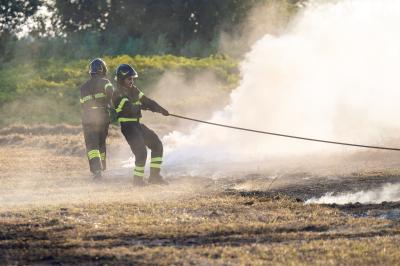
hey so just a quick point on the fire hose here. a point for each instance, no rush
(286, 136)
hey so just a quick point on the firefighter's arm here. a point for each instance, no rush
(149, 104)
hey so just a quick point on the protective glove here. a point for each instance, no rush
(113, 115)
(164, 112)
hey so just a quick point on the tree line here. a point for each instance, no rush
(86, 28)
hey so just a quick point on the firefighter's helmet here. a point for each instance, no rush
(124, 71)
(98, 67)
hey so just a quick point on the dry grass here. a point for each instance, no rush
(52, 213)
(213, 229)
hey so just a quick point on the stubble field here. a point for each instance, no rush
(53, 213)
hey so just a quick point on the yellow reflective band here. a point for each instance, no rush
(156, 159)
(93, 157)
(121, 105)
(99, 95)
(108, 85)
(138, 173)
(137, 103)
(139, 168)
(94, 154)
(122, 119)
(103, 156)
(86, 98)
(141, 94)
(155, 165)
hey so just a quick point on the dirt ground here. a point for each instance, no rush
(52, 212)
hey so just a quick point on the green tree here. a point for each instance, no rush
(82, 15)
(13, 14)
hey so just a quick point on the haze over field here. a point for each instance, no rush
(327, 70)
(333, 74)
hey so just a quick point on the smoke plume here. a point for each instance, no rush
(389, 192)
(333, 74)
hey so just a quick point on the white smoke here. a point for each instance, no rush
(389, 192)
(333, 75)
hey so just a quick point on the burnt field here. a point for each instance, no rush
(51, 211)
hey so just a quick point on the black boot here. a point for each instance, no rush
(139, 182)
(97, 175)
(156, 178)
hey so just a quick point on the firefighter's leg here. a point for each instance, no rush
(155, 145)
(92, 149)
(134, 137)
(102, 146)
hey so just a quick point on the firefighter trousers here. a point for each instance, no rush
(95, 140)
(139, 137)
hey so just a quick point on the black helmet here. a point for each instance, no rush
(98, 66)
(123, 71)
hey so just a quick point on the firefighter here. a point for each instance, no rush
(129, 101)
(96, 96)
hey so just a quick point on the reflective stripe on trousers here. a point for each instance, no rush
(156, 162)
(93, 154)
(139, 171)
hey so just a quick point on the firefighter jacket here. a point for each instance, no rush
(96, 96)
(129, 102)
